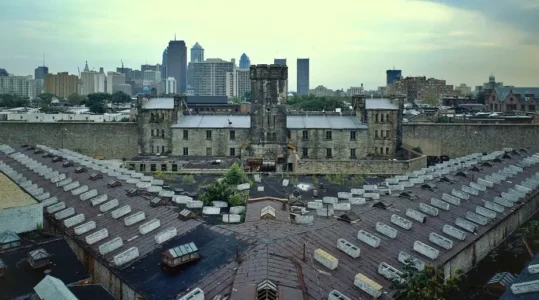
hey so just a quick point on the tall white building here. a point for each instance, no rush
(113, 80)
(231, 79)
(22, 86)
(355, 90)
(92, 82)
(243, 82)
(170, 86)
(209, 77)
(151, 75)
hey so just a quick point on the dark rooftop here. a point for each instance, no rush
(207, 100)
(525, 277)
(20, 278)
(91, 292)
(274, 249)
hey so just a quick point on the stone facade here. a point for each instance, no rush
(382, 139)
(219, 142)
(326, 144)
(510, 99)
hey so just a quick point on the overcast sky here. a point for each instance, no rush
(348, 41)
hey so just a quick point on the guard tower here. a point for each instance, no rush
(268, 115)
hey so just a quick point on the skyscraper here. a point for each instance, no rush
(40, 72)
(303, 77)
(245, 62)
(177, 64)
(393, 75)
(61, 84)
(164, 64)
(209, 77)
(197, 53)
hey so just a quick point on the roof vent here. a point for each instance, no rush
(57, 159)
(429, 186)
(448, 178)
(462, 174)
(180, 255)
(9, 239)
(38, 258)
(267, 213)
(523, 150)
(349, 217)
(96, 176)
(266, 290)
(497, 159)
(379, 204)
(506, 156)
(186, 214)
(515, 152)
(132, 192)
(486, 164)
(476, 169)
(156, 202)
(408, 195)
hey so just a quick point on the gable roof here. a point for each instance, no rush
(8, 236)
(503, 92)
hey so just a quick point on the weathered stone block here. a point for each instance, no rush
(326, 259)
(181, 199)
(390, 272)
(237, 209)
(149, 226)
(525, 287)
(325, 212)
(72, 185)
(166, 194)
(220, 204)
(97, 236)
(120, 212)
(368, 238)
(84, 228)
(401, 222)
(75, 220)
(454, 232)
(314, 205)
(68, 212)
(373, 196)
(143, 185)
(368, 188)
(111, 245)
(211, 210)
(368, 285)
(348, 248)
(132, 180)
(503, 202)
(165, 235)
(451, 199)
(79, 190)
(415, 215)
(344, 195)
(485, 182)
(386, 230)
(59, 178)
(126, 256)
(439, 204)
(478, 187)
(415, 262)
(99, 199)
(42, 196)
(476, 218)
(426, 250)
(509, 197)
(134, 218)
(56, 207)
(466, 225)
(460, 194)
(231, 218)
(494, 207)
(285, 182)
(341, 206)
(440, 241)
(194, 204)
(49, 202)
(358, 192)
(430, 210)
(330, 200)
(485, 212)
(336, 295)
(357, 201)
(109, 205)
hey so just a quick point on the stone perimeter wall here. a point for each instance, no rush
(118, 140)
(114, 140)
(367, 167)
(456, 140)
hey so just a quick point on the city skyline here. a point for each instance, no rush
(450, 40)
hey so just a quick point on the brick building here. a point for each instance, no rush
(417, 88)
(270, 137)
(511, 99)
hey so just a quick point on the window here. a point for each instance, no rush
(376, 118)
(531, 107)
(305, 135)
(274, 136)
(208, 151)
(153, 168)
(186, 134)
(164, 167)
(375, 150)
(353, 153)
(381, 118)
(328, 135)
(232, 135)
(131, 166)
(522, 107)
(376, 133)
(387, 133)
(162, 149)
(208, 134)
(152, 134)
(174, 168)
(305, 152)
(352, 135)
(232, 151)
(328, 152)
(162, 133)
(185, 151)
(381, 150)
(387, 150)
(142, 167)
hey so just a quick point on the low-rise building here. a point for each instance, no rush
(513, 99)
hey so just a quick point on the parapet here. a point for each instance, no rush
(269, 72)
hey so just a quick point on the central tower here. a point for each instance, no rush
(268, 114)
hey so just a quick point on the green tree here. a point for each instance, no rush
(120, 97)
(46, 98)
(75, 99)
(426, 284)
(235, 100)
(235, 175)
(8, 100)
(431, 99)
(96, 102)
(220, 191)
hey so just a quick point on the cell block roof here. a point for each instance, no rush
(324, 122)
